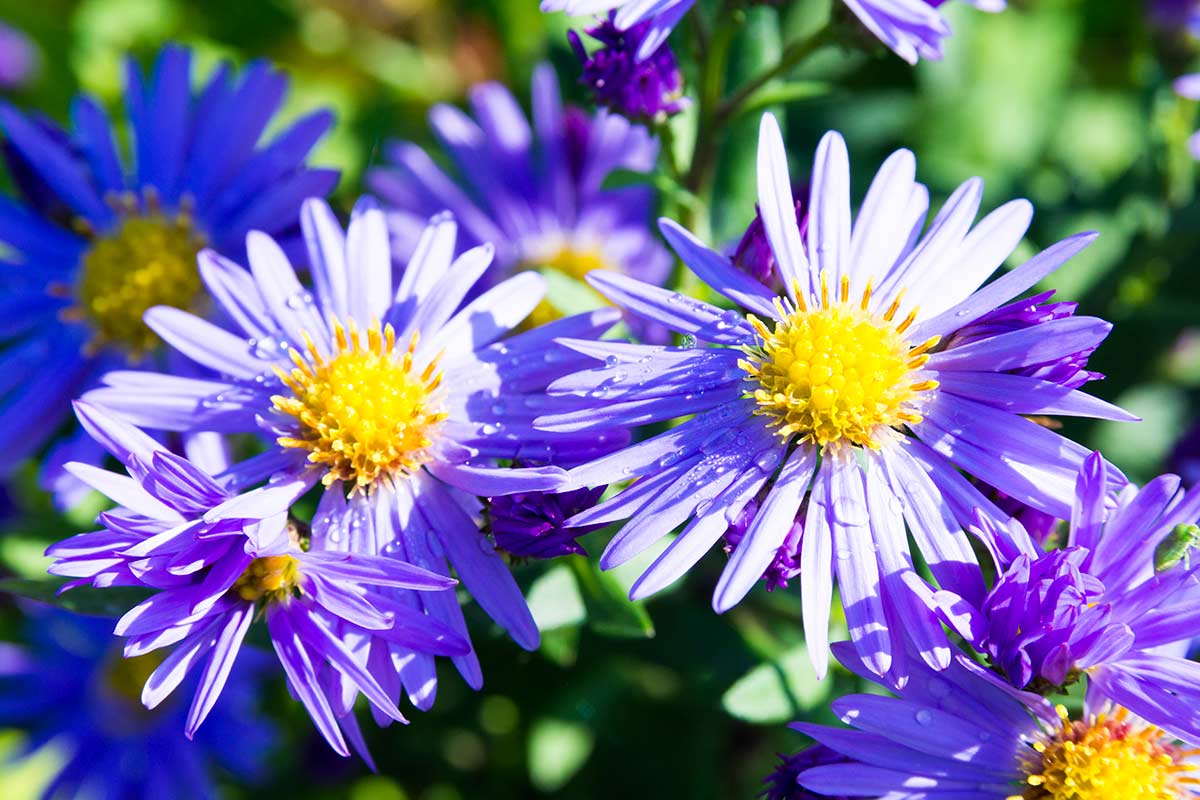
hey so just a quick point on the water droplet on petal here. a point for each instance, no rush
(924, 717)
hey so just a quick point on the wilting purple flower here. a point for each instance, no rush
(69, 688)
(18, 58)
(1102, 608)
(100, 235)
(536, 193)
(650, 88)
(911, 28)
(960, 734)
(1189, 86)
(217, 559)
(533, 524)
(782, 783)
(845, 405)
(399, 400)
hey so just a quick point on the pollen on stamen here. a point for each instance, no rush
(837, 373)
(148, 259)
(1107, 756)
(365, 413)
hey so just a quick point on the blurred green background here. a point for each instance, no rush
(1065, 102)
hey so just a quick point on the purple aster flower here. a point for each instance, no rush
(1189, 86)
(18, 58)
(535, 193)
(785, 566)
(1110, 607)
(533, 524)
(912, 29)
(782, 783)
(69, 688)
(398, 401)
(217, 559)
(650, 88)
(839, 402)
(959, 734)
(103, 235)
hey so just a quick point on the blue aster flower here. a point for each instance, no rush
(650, 89)
(396, 399)
(69, 688)
(1118, 606)
(100, 236)
(960, 735)
(216, 559)
(533, 192)
(912, 29)
(843, 402)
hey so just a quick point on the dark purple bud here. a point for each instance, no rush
(753, 253)
(649, 89)
(782, 783)
(532, 525)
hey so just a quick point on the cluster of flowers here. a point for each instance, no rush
(321, 449)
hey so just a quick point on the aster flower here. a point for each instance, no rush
(1116, 606)
(650, 88)
(100, 237)
(839, 402)
(534, 524)
(217, 558)
(958, 734)
(912, 29)
(397, 401)
(535, 194)
(69, 688)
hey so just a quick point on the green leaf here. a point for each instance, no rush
(609, 610)
(567, 295)
(554, 600)
(111, 602)
(663, 183)
(557, 750)
(784, 92)
(777, 691)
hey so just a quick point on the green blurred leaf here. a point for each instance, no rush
(784, 92)
(554, 600)
(609, 610)
(567, 295)
(111, 602)
(777, 691)
(557, 750)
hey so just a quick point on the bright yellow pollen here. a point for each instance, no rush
(149, 259)
(365, 413)
(572, 263)
(1106, 758)
(272, 577)
(837, 372)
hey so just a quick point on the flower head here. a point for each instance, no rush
(70, 688)
(533, 192)
(845, 402)
(1117, 607)
(959, 734)
(650, 88)
(217, 559)
(534, 524)
(399, 401)
(100, 236)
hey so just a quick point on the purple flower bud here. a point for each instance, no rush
(532, 525)
(1069, 370)
(753, 253)
(786, 564)
(651, 88)
(1044, 618)
(781, 784)
(1040, 525)
(18, 58)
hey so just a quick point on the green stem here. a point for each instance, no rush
(792, 56)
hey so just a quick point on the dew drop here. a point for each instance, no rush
(924, 717)
(611, 361)
(703, 507)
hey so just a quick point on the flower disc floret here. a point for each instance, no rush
(270, 577)
(366, 413)
(1106, 757)
(147, 260)
(837, 372)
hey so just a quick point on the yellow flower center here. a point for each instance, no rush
(366, 413)
(272, 577)
(838, 372)
(572, 263)
(125, 677)
(148, 260)
(1105, 758)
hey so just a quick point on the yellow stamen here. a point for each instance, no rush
(838, 372)
(364, 413)
(1104, 758)
(270, 577)
(149, 259)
